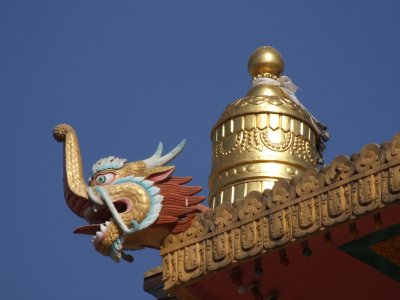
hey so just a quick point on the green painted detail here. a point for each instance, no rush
(359, 249)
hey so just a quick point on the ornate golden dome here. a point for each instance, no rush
(264, 136)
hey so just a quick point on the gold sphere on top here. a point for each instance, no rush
(265, 60)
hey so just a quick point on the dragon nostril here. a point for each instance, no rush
(120, 206)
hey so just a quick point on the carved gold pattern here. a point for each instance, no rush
(250, 102)
(303, 149)
(314, 200)
(251, 152)
(256, 139)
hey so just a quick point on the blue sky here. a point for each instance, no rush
(128, 74)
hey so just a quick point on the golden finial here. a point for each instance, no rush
(266, 61)
(265, 136)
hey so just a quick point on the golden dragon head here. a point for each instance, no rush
(128, 205)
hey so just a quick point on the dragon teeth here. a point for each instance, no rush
(103, 228)
(107, 223)
(98, 234)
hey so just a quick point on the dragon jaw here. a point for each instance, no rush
(120, 209)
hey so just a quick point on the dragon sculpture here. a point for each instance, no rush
(128, 205)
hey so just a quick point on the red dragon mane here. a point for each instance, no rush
(180, 203)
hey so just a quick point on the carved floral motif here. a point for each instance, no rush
(258, 140)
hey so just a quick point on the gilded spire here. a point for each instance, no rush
(265, 136)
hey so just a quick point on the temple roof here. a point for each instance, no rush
(312, 204)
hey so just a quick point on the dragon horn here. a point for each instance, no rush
(157, 160)
(158, 152)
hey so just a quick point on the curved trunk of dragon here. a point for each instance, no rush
(75, 188)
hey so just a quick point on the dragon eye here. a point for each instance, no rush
(104, 179)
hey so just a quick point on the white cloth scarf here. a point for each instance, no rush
(285, 83)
